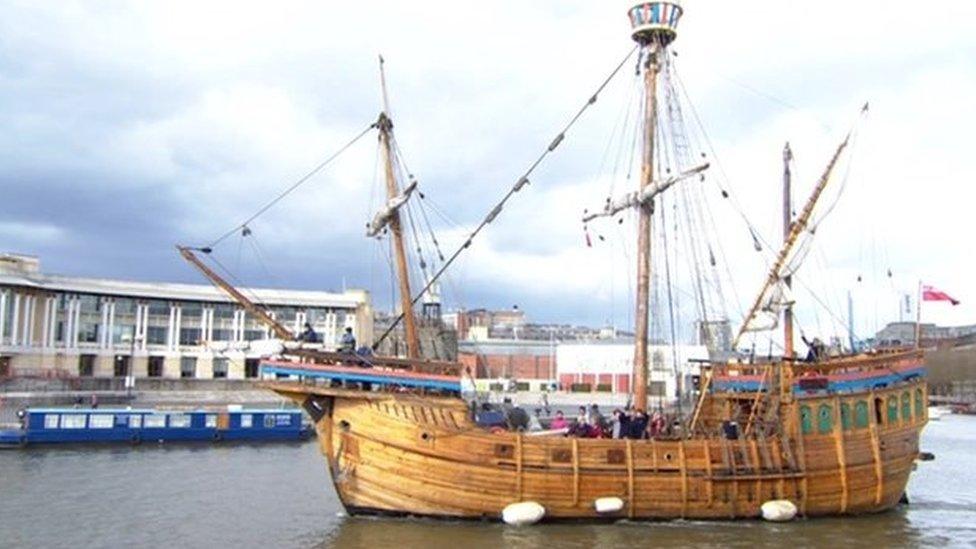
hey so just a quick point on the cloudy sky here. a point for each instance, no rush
(126, 128)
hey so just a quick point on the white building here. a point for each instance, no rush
(610, 364)
(62, 326)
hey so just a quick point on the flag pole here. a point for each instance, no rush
(918, 318)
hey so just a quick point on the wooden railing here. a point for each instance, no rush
(861, 362)
(351, 359)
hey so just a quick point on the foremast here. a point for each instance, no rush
(385, 126)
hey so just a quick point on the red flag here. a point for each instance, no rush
(930, 293)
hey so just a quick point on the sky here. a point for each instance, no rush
(126, 128)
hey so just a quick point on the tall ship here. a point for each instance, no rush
(835, 433)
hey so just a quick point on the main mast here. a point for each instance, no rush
(653, 25)
(385, 126)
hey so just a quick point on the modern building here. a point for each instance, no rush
(60, 326)
(608, 366)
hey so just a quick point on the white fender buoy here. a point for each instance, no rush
(608, 505)
(523, 513)
(779, 510)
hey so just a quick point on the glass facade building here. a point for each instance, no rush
(65, 326)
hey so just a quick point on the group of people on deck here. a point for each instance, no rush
(630, 423)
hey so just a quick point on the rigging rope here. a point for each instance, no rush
(519, 184)
(297, 184)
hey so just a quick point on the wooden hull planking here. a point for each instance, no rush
(401, 454)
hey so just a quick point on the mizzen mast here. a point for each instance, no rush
(787, 223)
(796, 229)
(393, 195)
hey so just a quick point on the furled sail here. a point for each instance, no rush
(775, 299)
(383, 217)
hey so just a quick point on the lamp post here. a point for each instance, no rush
(129, 378)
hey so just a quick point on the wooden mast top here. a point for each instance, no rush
(385, 126)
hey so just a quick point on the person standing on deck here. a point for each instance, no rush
(580, 428)
(559, 422)
(816, 348)
(620, 424)
(309, 335)
(595, 419)
(348, 342)
(535, 424)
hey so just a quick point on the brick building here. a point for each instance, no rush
(508, 359)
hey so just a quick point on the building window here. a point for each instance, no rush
(86, 365)
(188, 367)
(219, 368)
(156, 335)
(190, 336)
(158, 307)
(251, 367)
(121, 368)
(222, 335)
(88, 332)
(155, 368)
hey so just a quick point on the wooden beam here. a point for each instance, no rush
(248, 305)
(684, 477)
(876, 449)
(630, 478)
(576, 472)
(838, 433)
(709, 488)
(518, 466)
(801, 457)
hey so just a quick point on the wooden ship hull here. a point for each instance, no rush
(412, 455)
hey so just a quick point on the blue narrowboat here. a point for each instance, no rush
(96, 425)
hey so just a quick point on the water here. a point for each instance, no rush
(281, 496)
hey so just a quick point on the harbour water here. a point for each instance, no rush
(281, 496)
